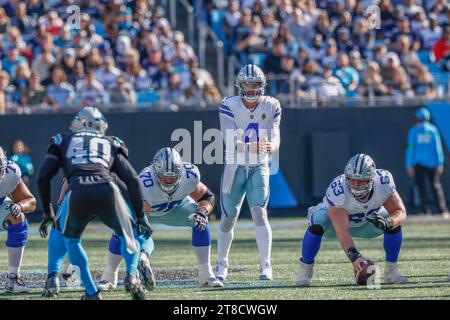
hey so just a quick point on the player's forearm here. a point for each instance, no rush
(28, 204)
(398, 217)
(346, 240)
(207, 205)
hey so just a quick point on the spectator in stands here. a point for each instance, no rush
(356, 62)
(122, 92)
(138, 77)
(108, 74)
(272, 63)
(6, 92)
(36, 8)
(395, 76)
(431, 34)
(291, 72)
(89, 91)
(372, 82)
(52, 22)
(22, 21)
(68, 62)
(403, 28)
(300, 29)
(244, 28)
(425, 160)
(179, 52)
(410, 8)
(344, 42)
(327, 86)
(175, 92)
(34, 94)
(64, 40)
(346, 74)
(285, 36)
(5, 22)
(12, 60)
(60, 93)
(42, 65)
(442, 50)
(270, 26)
(302, 57)
(94, 60)
(330, 55)
(254, 42)
(317, 49)
(323, 26)
(423, 83)
(20, 154)
(21, 78)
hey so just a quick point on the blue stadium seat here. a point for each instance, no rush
(256, 58)
(216, 23)
(424, 56)
(145, 97)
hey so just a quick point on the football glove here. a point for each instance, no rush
(200, 218)
(143, 226)
(49, 218)
(381, 222)
(15, 210)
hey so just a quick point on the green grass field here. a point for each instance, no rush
(425, 260)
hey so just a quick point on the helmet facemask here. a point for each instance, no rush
(169, 182)
(358, 188)
(251, 91)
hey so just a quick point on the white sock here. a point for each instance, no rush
(224, 240)
(264, 242)
(203, 254)
(15, 259)
(112, 267)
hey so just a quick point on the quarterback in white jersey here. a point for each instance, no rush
(175, 196)
(250, 125)
(361, 203)
(15, 200)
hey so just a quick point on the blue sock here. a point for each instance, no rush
(57, 251)
(310, 247)
(392, 244)
(17, 235)
(201, 238)
(131, 259)
(147, 244)
(114, 245)
(79, 258)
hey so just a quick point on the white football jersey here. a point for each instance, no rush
(249, 126)
(10, 180)
(339, 195)
(160, 201)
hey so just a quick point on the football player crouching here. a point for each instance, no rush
(15, 200)
(361, 203)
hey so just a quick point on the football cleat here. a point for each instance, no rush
(265, 271)
(221, 270)
(146, 274)
(207, 278)
(134, 287)
(51, 288)
(105, 285)
(392, 275)
(305, 274)
(97, 296)
(14, 284)
(211, 282)
(446, 215)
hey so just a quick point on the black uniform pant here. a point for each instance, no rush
(421, 175)
(103, 201)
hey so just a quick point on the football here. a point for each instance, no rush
(368, 271)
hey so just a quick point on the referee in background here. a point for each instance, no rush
(425, 160)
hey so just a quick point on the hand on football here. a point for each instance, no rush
(358, 264)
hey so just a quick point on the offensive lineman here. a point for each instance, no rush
(15, 223)
(88, 157)
(250, 128)
(173, 195)
(360, 203)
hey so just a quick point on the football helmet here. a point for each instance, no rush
(89, 119)
(359, 175)
(168, 168)
(251, 82)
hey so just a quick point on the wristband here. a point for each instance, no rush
(353, 254)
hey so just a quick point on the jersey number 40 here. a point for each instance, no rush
(97, 151)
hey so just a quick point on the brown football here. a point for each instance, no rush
(362, 277)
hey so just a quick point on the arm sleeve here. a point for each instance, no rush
(275, 128)
(127, 174)
(439, 151)
(410, 149)
(48, 171)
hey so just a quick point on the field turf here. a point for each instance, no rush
(424, 259)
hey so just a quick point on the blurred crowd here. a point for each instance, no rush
(114, 52)
(337, 48)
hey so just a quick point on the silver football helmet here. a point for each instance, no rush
(168, 168)
(251, 82)
(360, 168)
(3, 163)
(89, 119)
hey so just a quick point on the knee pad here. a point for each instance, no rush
(259, 216)
(395, 230)
(226, 223)
(201, 238)
(17, 235)
(316, 229)
(114, 245)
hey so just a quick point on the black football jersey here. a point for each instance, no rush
(86, 157)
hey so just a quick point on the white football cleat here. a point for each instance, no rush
(105, 285)
(221, 270)
(446, 215)
(305, 274)
(392, 275)
(14, 284)
(265, 271)
(207, 278)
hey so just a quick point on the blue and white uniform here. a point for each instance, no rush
(339, 195)
(10, 180)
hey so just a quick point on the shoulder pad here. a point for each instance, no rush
(56, 139)
(13, 168)
(120, 145)
(192, 171)
(386, 180)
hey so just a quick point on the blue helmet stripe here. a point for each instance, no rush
(356, 164)
(167, 158)
(362, 163)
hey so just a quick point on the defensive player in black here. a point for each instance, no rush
(88, 157)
